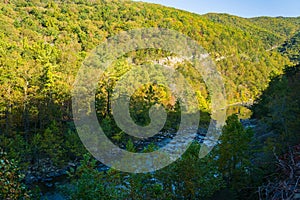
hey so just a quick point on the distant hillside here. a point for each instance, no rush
(272, 31)
(256, 30)
(283, 26)
(61, 34)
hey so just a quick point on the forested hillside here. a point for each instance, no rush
(279, 108)
(43, 44)
(291, 48)
(283, 26)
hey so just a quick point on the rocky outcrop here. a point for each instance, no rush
(45, 172)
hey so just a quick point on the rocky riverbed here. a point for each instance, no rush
(48, 177)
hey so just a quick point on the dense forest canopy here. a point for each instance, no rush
(43, 44)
